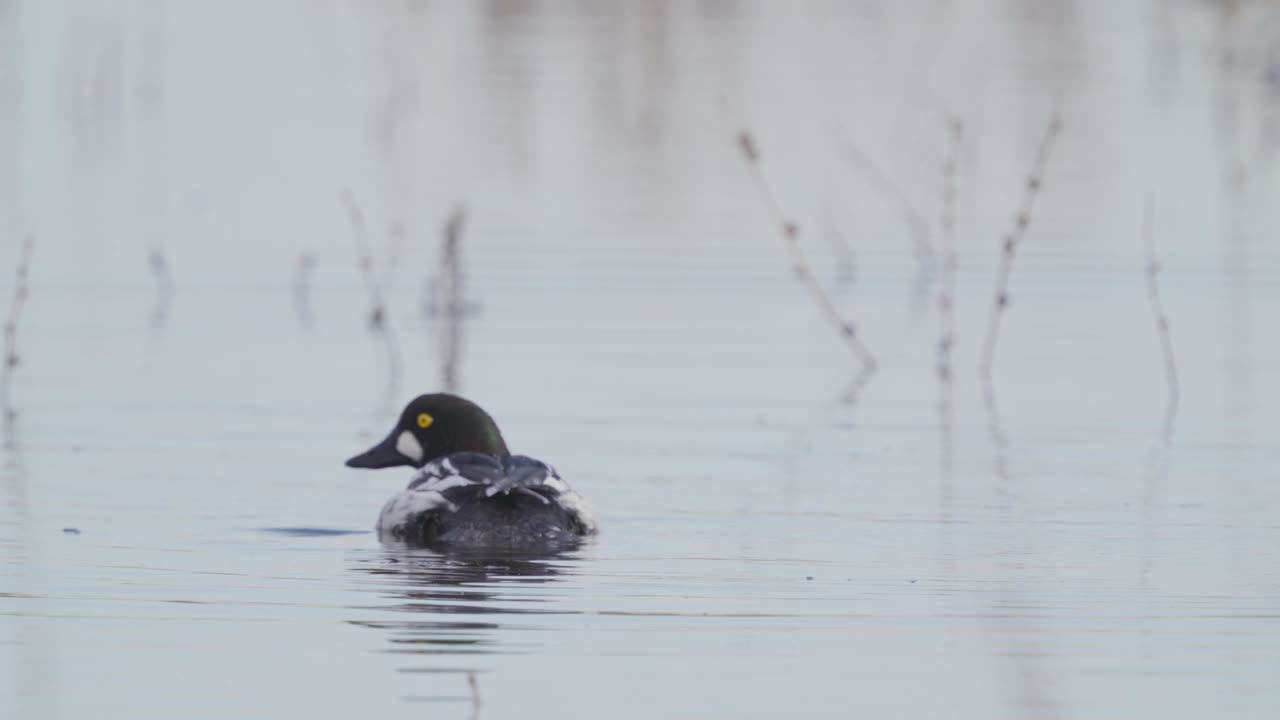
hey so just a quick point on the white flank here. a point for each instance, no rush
(578, 505)
(408, 446)
(404, 506)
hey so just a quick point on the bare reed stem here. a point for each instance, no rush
(1161, 319)
(846, 259)
(302, 287)
(950, 265)
(377, 320)
(859, 383)
(454, 292)
(917, 225)
(21, 289)
(1009, 251)
(475, 693)
(158, 264)
(451, 259)
(799, 263)
(377, 306)
(397, 236)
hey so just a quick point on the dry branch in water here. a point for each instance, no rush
(799, 263)
(1009, 251)
(1161, 319)
(378, 321)
(950, 264)
(21, 289)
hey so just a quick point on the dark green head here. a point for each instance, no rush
(432, 426)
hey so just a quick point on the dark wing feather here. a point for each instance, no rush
(524, 473)
(476, 467)
(466, 476)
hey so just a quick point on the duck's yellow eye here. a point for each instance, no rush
(425, 420)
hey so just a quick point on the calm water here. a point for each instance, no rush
(782, 535)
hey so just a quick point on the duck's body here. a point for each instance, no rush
(475, 499)
(469, 491)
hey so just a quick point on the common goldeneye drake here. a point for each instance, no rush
(469, 490)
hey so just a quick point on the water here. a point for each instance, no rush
(783, 536)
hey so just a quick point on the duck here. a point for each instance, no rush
(469, 491)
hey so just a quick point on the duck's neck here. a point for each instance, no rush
(485, 438)
(493, 442)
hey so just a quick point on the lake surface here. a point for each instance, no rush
(784, 534)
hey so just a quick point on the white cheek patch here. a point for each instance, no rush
(408, 446)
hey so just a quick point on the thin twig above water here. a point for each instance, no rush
(790, 232)
(453, 288)
(152, 160)
(158, 264)
(1009, 251)
(947, 280)
(378, 321)
(377, 305)
(893, 194)
(846, 259)
(857, 384)
(474, 685)
(1161, 319)
(302, 288)
(21, 289)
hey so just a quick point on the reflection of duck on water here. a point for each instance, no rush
(456, 584)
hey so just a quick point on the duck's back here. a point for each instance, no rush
(479, 500)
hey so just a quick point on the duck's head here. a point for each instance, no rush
(432, 426)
